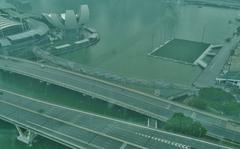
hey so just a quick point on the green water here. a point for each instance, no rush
(129, 29)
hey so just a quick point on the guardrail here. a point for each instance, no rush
(114, 85)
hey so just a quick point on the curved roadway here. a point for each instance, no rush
(131, 99)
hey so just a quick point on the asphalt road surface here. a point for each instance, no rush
(134, 100)
(82, 129)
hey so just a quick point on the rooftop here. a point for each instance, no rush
(5, 23)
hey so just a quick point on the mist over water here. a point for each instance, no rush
(134, 27)
(141, 25)
(139, 15)
(129, 30)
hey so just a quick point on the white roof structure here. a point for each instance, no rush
(37, 28)
(83, 14)
(54, 19)
(70, 20)
(6, 23)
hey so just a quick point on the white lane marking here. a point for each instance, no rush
(109, 83)
(72, 124)
(177, 145)
(120, 121)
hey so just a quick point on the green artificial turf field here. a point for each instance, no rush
(181, 50)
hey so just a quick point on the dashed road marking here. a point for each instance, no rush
(177, 145)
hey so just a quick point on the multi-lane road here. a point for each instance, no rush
(78, 129)
(146, 104)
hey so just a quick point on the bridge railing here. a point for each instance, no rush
(122, 88)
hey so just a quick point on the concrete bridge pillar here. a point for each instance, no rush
(194, 115)
(152, 123)
(26, 136)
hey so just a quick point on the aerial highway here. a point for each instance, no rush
(79, 129)
(146, 104)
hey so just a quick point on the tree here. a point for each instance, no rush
(185, 125)
(216, 99)
(198, 103)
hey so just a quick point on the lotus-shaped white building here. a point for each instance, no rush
(69, 20)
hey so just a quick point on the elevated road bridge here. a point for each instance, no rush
(79, 130)
(232, 4)
(151, 106)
